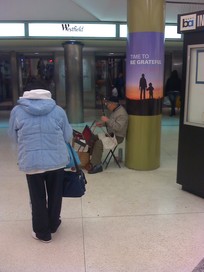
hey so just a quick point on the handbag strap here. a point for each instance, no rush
(73, 155)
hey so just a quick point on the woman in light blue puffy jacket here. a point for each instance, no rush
(41, 130)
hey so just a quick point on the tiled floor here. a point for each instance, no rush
(128, 221)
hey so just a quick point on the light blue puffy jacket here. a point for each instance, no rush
(41, 130)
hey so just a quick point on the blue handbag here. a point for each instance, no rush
(74, 181)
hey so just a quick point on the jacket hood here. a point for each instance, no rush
(37, 94)
(37, 102)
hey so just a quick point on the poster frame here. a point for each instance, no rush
(194, 116)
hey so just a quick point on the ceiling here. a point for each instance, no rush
(81, 10)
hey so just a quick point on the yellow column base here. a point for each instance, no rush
(142, 150)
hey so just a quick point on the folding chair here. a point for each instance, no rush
(109, 156)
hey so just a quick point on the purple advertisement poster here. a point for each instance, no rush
(144, 67)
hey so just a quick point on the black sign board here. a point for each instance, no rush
(191, 22)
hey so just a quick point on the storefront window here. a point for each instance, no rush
(41, 68)
(5, 81)
(110, 74)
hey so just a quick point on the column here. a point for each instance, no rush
(14, 77)
(144, 82)
(74, 81)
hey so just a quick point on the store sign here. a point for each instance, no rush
(72, 30)
(188, 22)
(123, 31)
(12, 30)
(170, 32)
(191, 22)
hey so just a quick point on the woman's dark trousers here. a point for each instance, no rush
(46, 200)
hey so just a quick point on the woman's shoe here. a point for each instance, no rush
(46, 239)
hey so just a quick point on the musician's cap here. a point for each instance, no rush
(113, 99)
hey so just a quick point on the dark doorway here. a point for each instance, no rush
(5, 81)
(35, 66)
(110, 74)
